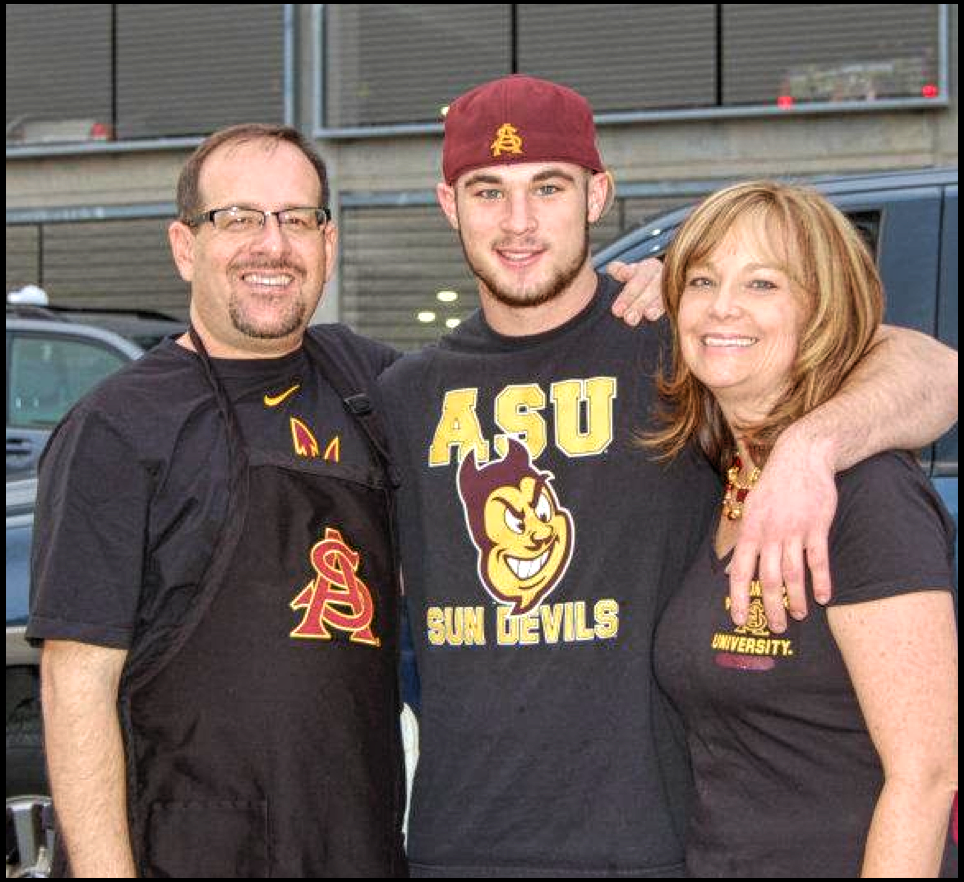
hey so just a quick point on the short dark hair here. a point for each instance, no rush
(188, 184)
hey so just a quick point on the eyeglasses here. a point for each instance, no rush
(247, 221)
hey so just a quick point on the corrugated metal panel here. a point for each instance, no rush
(58, 62)
(401, 63)
(23, 256)
(623, 56)
(395, 260)
(826, 52)
(393, 263)
(189, 69)
(124, 263)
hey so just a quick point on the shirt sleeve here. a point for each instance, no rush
(891, 534)
(89, 535)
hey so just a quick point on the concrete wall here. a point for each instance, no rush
(641, 152)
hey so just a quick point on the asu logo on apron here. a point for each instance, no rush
(337, 597)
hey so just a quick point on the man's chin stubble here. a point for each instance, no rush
(553, 288)
(285, 327)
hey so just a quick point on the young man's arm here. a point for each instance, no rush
(902, 395)
(642, 295)
(85, 756)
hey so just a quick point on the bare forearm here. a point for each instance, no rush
(901, 654)
(85, 757)
(907, 835)
(902, 395)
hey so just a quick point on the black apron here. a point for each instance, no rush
(261, 718)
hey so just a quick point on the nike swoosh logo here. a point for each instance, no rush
(275, 400)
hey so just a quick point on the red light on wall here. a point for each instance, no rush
(930, 91)
(101, 132)
(785, 101)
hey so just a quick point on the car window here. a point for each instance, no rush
(868, 225)
(19, 535)
(49, 374)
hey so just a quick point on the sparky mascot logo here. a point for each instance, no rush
(522, 533)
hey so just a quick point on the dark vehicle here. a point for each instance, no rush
(909, 220)
(29, 827)
(55, 356)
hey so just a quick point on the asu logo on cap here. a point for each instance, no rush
(507, 140)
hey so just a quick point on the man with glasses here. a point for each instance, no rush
(214, 574)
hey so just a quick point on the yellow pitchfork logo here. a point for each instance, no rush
(507, 140)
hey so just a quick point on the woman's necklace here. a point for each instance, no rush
(736, 492)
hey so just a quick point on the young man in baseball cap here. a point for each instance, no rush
(535, 571)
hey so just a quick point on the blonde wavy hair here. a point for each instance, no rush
(827, 262)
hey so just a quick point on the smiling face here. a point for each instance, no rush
(740, 322)
(531, 537)
(524, 229)
(254, 294)
(768, 289)
(523, 535)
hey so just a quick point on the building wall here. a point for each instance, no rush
(658, 160)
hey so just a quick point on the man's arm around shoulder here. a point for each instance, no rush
(901, 396)
(85, 755)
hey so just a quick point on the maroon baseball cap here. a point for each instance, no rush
(518, 119)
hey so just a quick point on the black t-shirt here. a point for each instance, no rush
(534, 576)
(786, 773)
(132, 492)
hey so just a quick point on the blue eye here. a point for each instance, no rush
(763, 285)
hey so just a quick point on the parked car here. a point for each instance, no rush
(909, 220)
(55, 356)
(29, 828)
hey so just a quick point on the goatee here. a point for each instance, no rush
(550, 290)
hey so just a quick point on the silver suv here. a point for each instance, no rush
(54, 357)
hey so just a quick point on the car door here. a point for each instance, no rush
(47, 373)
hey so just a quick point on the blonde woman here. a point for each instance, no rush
(830, 749)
